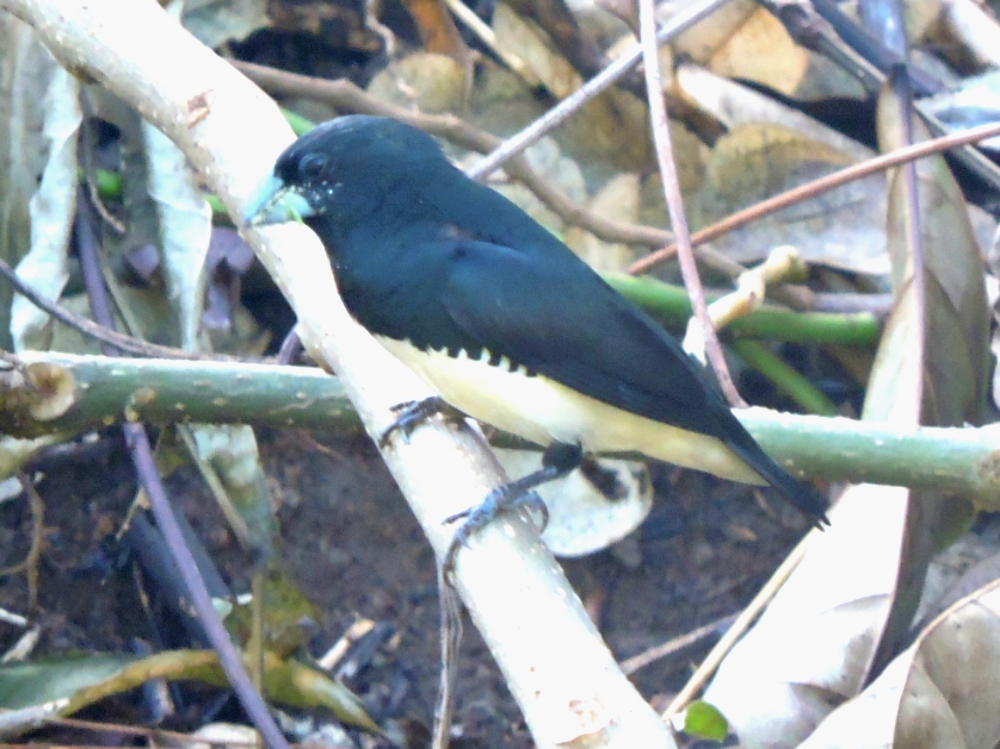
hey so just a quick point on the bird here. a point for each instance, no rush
(499, 317)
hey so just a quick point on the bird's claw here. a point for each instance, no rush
(411, 414)
(499, 501)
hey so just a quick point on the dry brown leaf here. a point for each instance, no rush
(434, 83)
(842, 228)
(611, 127)
(619, 201)
(944, 691)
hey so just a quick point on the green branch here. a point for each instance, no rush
(670, 304)
(787, 379)
(963, 461)
(108, 389)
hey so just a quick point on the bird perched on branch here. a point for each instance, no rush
(499, 317)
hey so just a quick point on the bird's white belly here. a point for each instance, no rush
(542, 411)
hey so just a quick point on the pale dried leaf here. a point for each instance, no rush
(52, 208)
(956, 315)
(944, 691)
(811, 648)
(431, 82)
(706, 38)
(230, 461)
(185, 221)
(39, 120)
(617, 200)
(533, 46)
(974, 27)
(762, 51)
(734, 104)
(931, 366)
(581, 519)
(612, 127)
(975, 102)
(843, 228)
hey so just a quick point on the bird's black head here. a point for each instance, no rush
(356, 146)
(343, 169)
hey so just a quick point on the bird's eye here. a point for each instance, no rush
(312, 166)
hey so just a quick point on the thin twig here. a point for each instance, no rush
(152, 734)
(818, 187)
(676, 645)
(704, 672)
(751, 287)
(660, 123)
(552, 119)
(91, 329)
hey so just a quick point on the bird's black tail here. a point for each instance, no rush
(806, 499)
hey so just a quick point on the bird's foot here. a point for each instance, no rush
(411, 414)
(558, 460)
(503, 499)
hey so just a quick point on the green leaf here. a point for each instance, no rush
(705, 721)
(84, 679)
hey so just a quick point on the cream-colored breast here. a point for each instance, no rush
(542, 411)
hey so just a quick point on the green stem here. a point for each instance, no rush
(162, 391)
(670, 304)
(300, 125)
(958, 460)
(789, 381)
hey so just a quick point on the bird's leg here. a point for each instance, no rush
(557, 461)
(411, 414)
(603, 479)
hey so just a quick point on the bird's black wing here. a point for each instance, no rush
(558, 318)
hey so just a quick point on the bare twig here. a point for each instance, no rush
(751, 286)
(91, 329)
(704, 672)
(675, 204)
(818, 187)
(676, 645)
(152, 734)
(552, 119)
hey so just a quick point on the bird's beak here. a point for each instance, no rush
(274, 202)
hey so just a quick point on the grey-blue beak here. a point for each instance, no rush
(274, 202)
